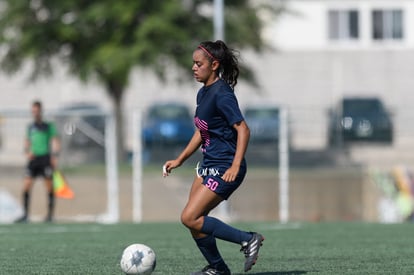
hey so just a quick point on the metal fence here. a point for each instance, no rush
(326, 182)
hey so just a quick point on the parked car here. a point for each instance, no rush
(167, 124)
(358, 119)
(263, 123)
(83, 124)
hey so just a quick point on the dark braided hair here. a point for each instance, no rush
(229, 64)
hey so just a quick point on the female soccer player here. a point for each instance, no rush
(223, 136)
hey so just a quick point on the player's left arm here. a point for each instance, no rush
(55, 145)
(243, 135)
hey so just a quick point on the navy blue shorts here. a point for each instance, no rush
(213, 181)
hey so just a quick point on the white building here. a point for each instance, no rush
(344, 25)
(327, 49)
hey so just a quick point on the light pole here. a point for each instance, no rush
(219, 20)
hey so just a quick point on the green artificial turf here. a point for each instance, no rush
(295, 248)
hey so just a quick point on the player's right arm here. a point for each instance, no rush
(191, 147)
(27, 149)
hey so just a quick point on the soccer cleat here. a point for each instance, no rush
(208, 270)
(251, 250)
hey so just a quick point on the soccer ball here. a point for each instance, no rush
(138, 259)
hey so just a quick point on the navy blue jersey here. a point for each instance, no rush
(216, 113)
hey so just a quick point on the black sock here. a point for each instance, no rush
(51, 204)
(26, 202)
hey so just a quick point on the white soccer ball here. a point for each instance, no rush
(138, 259)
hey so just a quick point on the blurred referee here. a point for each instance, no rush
(41, 148)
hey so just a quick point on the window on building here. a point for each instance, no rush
(387, 25)
(343, 24)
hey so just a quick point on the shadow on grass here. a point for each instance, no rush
(293, 272)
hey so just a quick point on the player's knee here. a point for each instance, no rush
(27, 186)
(185, 219)
(188, 220)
